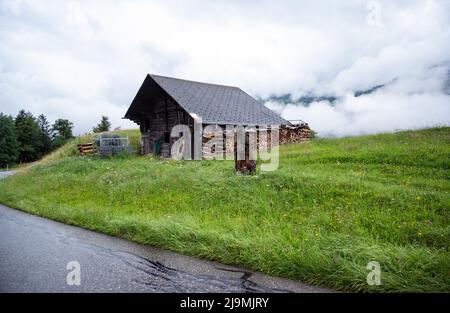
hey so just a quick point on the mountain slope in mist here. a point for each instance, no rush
(408, 102)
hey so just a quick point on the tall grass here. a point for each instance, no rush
(331, 207)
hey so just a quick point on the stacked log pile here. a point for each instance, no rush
(213, 146)
(294, 134)
(86, 148)
(287, 135)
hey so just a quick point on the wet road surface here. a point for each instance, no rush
(4, 174)
(34, 253)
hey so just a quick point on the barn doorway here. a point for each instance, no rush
(166, 137)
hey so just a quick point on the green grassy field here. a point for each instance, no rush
(331, 207)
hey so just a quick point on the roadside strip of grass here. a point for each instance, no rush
(331, 207)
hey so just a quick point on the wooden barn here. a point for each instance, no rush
(163, 102)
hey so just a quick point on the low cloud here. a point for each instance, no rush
(408, 103)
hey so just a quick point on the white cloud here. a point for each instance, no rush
(373, 114)
(84, 59)
(407, 103)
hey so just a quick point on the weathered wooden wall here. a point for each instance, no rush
(162, 115)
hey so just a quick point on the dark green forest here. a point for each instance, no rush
(26, 138)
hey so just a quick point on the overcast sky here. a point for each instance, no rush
(83, 59)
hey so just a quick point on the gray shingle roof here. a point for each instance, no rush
(218, 104)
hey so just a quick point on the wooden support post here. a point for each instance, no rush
(245, 166)
(166, 114)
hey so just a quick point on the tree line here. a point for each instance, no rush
(26, 138)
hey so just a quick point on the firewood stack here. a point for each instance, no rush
(210, 148)
(86, 148)
(294, 134)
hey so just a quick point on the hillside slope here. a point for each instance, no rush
(331, 207)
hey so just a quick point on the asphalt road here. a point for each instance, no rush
(4, 174)
(35, 252)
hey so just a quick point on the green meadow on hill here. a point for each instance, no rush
(332, 206)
